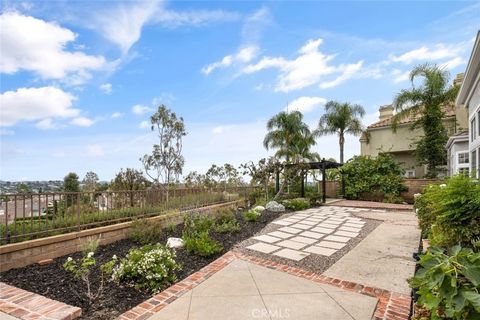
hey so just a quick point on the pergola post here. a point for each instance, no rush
(324, 183)
(277, 181)
(303, 184)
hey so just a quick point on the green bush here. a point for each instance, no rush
(194, 224)
(251, 215)
(151, 267)
(230, 226)
(145, 231)
(202, 244)
(449, 214)
(224, 215)
(368, 178)
(296, 204)
(448, 285)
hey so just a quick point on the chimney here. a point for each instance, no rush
(386, 112)
(458, 79)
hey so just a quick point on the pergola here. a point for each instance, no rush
(322, 165)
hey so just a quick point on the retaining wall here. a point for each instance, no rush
(17, 255)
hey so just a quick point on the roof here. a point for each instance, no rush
(449, 111)
(457, 137)
(472, 74)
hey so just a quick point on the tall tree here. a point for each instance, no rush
(90, 181)
(70, 184)
(130, 180)
(166, 161)
(423, 104)
(341, 119)
(289, 135)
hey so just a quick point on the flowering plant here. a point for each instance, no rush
(82, 269)
(150, 267)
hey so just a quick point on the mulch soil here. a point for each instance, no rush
(54, 282)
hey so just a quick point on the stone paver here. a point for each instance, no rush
(263, 247)
(291, 254)
(263, 293)
(307, 228)
(320, 250)
(267, 238)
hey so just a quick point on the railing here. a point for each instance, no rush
(36, 215)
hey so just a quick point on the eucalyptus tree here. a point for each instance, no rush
(423, 104)
(165, 163)
(341, 118)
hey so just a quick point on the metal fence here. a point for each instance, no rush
(29, 216)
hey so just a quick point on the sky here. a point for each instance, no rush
(80, 79)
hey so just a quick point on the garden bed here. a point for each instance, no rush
(54, 282)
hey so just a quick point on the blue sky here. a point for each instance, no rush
(79, 79)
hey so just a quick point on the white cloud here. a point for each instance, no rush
(82, 122)
(310, 67)
(400, 76)
(437, 52)
(144, 124)
(123, 23)
(30, 104)
(106, 88)
(254, 24)
(116, 115)
(139, 109)
(46, 124)
(306, 104)
(38, 46)
(243, 55)
(95, 151)
(453, 63)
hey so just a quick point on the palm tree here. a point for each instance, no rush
(290, 135)
(341, 118)
(423, 104)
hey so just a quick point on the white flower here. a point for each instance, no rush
(90, 254)
(69, 259)
(443, 185)
(416, 195)
(114, 257)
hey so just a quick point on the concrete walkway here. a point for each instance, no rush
(384, 258)
(247, 291)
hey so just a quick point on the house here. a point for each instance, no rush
(457, 154)
(469, 98)
(379, 136)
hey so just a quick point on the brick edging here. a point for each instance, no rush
(156, 303)
(390, 306)
(23, 304)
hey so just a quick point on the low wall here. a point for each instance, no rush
(17, 255)
(416, 186)
(333, 188)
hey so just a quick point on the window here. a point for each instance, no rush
(410, 173)
(464, 171)
(474, 161)
(473, 129)
(462, 158)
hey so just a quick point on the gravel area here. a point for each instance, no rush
(313, 262)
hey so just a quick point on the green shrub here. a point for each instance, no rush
(448, 284)
(450, 213)
(202, 244)
(229, 226)
(194, 224)
(224, 215)
(296, 204)
(368, 178)
(145, 231)
(151, 267)
(251, 215)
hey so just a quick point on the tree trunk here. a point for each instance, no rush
(342, 142)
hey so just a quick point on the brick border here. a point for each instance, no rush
(148, 308)
(390, 306)
(26, 305)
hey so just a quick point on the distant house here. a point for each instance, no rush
(469, 99)
(457, 154)
(379, 136)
